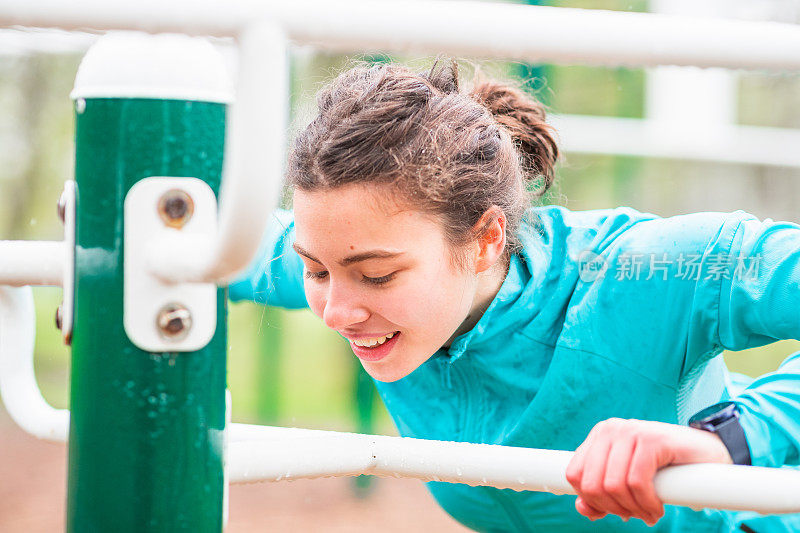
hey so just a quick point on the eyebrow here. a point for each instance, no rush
(356, 258)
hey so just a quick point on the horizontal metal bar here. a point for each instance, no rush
(31, 263)
(755, 145)
(267, 453)
(272, 454)
(527, 33)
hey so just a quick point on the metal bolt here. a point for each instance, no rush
(175, 208)
(174, 322)
(59, 316)
(62, 206)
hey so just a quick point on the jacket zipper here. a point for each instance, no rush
(510, 508)
(446, 381)
(463, 386)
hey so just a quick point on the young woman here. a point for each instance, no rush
(482, 319)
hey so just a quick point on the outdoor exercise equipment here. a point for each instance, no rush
(173, 186)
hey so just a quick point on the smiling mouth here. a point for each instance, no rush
(377, 348)
(375, 341)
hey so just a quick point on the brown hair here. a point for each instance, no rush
(450, 153)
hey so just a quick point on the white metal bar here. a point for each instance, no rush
(529, 33)
(253, 176)
(264, 453)
(690, 101)
(287, 453)
(32, 263)
(18, 388)
(649, 138)
(253, 172)
(43, 41)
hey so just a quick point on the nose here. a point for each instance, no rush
(343, 307)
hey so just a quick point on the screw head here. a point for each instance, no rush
(174, 322)
(175, 208)
(62, 206)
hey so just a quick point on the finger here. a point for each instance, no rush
(616, 477)
(592, 486)
(644, 465)
(575, 466)
(587, 510)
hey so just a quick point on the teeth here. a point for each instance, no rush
(371, 343)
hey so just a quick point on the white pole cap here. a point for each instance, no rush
(164, 66)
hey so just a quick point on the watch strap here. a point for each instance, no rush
(732, 436)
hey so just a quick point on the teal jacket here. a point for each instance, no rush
(606, 313)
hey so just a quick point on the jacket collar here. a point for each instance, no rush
(498, 317)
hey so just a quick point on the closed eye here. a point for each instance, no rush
(322, 274)
(381, 280)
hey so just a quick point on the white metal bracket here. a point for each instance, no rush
(68, 203)
(160, 316)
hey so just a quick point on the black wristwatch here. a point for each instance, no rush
(723, 419)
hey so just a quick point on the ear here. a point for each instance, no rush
(491, 238)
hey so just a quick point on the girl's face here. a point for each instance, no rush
(380, 275)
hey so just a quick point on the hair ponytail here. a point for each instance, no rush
(524, 118)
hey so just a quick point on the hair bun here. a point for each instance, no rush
(443, 77)
(524, 118)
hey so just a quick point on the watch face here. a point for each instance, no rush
(715, 413)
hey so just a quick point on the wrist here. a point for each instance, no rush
(692, 445)
(718, 452)
(722, 421)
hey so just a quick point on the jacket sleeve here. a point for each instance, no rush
(275, 276)
(708, 282)
(759, 302)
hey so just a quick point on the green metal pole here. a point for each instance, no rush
(147, 429)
